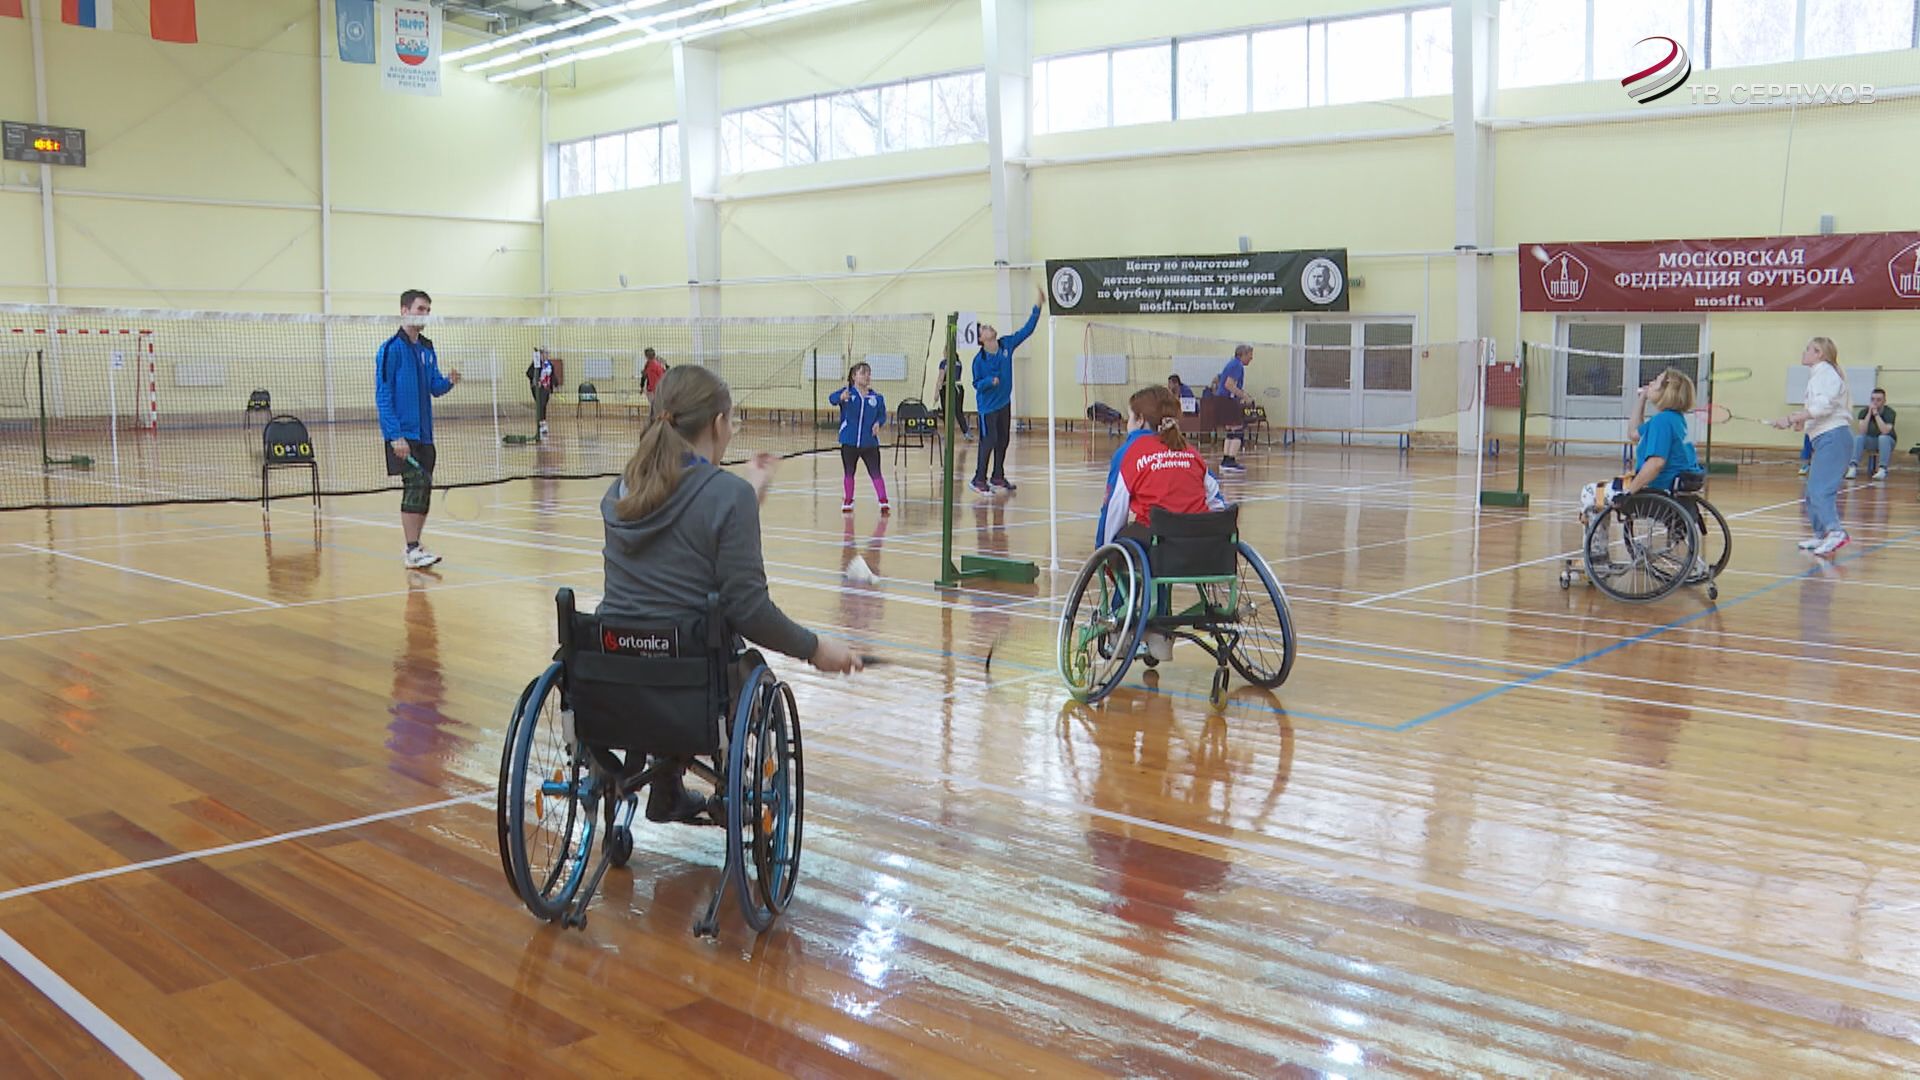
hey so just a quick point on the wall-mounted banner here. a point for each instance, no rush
(1240, 284)
(408, 37)
(1855, 272)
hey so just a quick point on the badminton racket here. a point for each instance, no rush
(461, 503)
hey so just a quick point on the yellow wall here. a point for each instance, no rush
(232, 123)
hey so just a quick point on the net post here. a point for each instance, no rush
(1053, 465)
(40, 380)
(1713, 467)
(949, 573)
(1517, 498)
(113, 406)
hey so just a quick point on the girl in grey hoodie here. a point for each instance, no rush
(678, 527)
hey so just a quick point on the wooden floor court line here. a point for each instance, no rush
(150, 574)
(1399, 882)
(108, 1032)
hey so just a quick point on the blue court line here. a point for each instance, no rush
(1648, 635)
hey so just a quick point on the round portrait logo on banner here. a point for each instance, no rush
(1068, 289)
(1320, 282)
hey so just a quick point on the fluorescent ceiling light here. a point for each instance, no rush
(739, 20)
(535, 33)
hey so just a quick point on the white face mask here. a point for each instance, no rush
(412, 321)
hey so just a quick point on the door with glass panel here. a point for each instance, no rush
(1599, 365)
(1355, 375)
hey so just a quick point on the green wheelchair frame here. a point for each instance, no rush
(1094, 651)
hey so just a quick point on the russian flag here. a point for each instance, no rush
(97, 14)
(173, 20)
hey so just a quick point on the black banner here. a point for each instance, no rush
(1253, 283)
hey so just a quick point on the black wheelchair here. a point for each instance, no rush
(1665, 540)
(1239, 614)
(625, 703)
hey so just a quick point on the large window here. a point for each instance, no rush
(945, 110)
(616, 162)
(1319, 62)
(1543, 42)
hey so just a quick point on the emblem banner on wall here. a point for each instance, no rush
(408, 37)
(1248, 283)
(1854, 272)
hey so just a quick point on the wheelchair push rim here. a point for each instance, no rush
(1101, 626)
(1659, 543)
(551, 822)
(776, 804)
(1263, 643)
(502, 818)
(749, 753)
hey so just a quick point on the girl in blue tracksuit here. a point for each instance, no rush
(993, 399)
(863, 412)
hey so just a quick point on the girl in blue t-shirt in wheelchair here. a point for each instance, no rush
(1663, 454)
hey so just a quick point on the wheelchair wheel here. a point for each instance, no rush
(1716, 540)
(500, 815)
(776, 809)
(763, 795)
(1101, 626)
(1658, 543)
(549, 804)
(1264, 643)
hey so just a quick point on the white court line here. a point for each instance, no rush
(121, 1044)
(1403, 883)
(151, 574)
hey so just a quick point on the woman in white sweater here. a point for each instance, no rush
(1827, 418)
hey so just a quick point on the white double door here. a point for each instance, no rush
(1600, 363)
(1355, 375)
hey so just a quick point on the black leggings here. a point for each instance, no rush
(869, 454)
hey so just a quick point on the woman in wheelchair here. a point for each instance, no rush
(679, 528)
(1662, 451)
(1155, 466)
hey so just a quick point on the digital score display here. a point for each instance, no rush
(40, 144)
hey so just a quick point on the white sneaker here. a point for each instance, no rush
(1812, 542)
(1699, 573)
(1832, 542)
(1159, 646)
(420, 558)
(846, 508)
(543, 429)
(1853, 471)
(1880, 473)
(1803, 468)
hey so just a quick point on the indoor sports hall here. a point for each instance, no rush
(1269, 538)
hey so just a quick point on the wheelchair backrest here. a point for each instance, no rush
(1194, 545)
(655, 686)
(285, 441)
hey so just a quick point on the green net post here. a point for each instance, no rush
(949, 573)
(1518, 496)
(1711, 465)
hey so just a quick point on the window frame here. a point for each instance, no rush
(587, 144)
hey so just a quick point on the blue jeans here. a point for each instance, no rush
(1882, 443)
(1829, 467)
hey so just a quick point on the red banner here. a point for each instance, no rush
(1856, 272)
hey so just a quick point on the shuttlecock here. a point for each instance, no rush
(859, 572)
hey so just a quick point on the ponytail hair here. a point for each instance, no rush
(854, 371)
(688, 400)
(1160, 409)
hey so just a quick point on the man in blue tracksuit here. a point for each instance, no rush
(406, 380)
(993, 397)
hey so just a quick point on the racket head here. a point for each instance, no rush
(1729, 375)
(1717, 413)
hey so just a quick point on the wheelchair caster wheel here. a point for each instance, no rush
(1217, 697)
(619, 847)
(1151, 661)
(1713, 592)
(1566, 580)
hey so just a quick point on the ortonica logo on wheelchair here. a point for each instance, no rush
(628, 703)
(1194, 580)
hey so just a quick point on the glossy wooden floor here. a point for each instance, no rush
(1488, 828)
